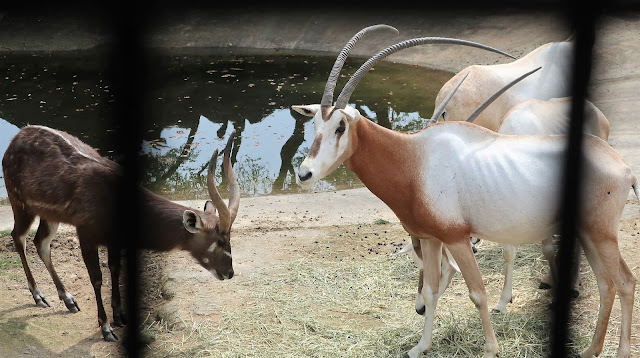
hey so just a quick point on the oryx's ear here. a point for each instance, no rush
(308, 110)
(209, 207)
(191, 221)
(351, 113)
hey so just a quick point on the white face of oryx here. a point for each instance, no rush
(332, 143)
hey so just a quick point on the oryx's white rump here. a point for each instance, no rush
(534, 116)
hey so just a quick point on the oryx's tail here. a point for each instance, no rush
(407, 248)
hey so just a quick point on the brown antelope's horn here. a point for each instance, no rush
(223, 210)
(327, 97)
(490, 100)
(234, 187)
(348, 89)
(438, 111)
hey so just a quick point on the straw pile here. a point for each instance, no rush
(359, 303)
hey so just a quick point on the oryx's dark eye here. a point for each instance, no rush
(221, 243)
(341, 128)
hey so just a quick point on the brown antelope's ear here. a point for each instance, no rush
(308, 110)
(191, 221)
(351, 113)
(209, 207)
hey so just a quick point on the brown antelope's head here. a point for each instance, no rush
(211, 244)
(334, 138)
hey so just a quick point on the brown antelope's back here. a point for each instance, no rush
(54, 175)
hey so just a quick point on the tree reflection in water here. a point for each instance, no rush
(197, 100)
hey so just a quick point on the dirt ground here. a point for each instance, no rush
(268, 232)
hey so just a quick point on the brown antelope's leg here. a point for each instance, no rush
(119, 318)
(509, 252)
(607, 292)
(90, 255)
(22, 223)
(46, 232)
(463, 254)
(625, 283)
(431, 256)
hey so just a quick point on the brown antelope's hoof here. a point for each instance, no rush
(544, 286)
(40, 300)
(108, 334)
(119, 319)
(71, 303)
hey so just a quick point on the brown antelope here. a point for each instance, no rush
(453, 180)
(53, 175)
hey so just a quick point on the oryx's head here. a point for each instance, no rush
(331, 145)
(210, 242)
(335, 139)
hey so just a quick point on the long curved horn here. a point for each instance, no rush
(226, 213)
(438, 111)
(348, 89)
(327, 97)
(490, 100)
(234, 187)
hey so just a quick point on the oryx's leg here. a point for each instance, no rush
(119, 318)
(509, 252)
(548, 250)
(474, 241)
(607, 292)
(431, 256)
(604, 256)
(22, 221)
(46, 232)
(416, 255)
(419, 305)
(91, 260)
(463, 254)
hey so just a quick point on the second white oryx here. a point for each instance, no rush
(551, 81)
(455, 179)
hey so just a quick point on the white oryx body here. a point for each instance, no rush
(456, 179)
(551, 81)
(534, 116)
(531, 117)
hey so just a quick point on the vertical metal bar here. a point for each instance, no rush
(583, 17)
(128, 80)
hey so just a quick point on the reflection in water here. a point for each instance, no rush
(196, 101)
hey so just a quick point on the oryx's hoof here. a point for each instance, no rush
(544, 286)
(574, 293)
(421, 310)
